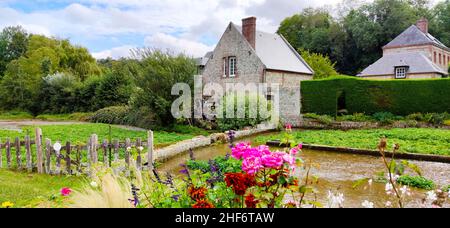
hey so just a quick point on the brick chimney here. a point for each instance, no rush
(422, 24)
(249, 30)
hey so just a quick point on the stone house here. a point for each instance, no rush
(414, 54)
(246, 55)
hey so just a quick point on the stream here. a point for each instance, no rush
(337, 172)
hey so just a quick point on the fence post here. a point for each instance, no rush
(8, 152)
(28, 151)
(150, 150)
(139, 157)
(79, 158)
(58, 159)
(127, 153)
(94, 144)
(89, 154)
(18, 154)
(40, 158)
(105, 146)
(48, 154)
(1, 155)
(116, 150)
(68, 160)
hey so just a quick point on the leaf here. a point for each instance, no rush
(360, 182)
(413, 167)
(305, 189)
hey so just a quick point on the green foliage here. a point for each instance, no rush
(13, 44)
(114, 89)
(356, 117)
(371, 96)
(159, 71)
(385, 117)
(225, 165)
(417, 182)
(324, 119)
(322, 65)
(254, 114)
(78, 116)
(15, 115)
(111, 115)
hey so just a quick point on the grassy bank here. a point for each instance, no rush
(30, 190)
(412, 140)
(81, 132)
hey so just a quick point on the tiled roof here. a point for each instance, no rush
(277, 54)
(416, 61)
(414, 36)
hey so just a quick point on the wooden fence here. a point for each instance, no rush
(37, 155)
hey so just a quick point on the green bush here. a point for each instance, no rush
(356, 117)
(111, 115)
(400, 97)
(236, 123)
(385, 117)
(417, 182)
(323, 119)
(15, 115)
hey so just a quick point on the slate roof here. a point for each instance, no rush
(414, 36)
(416, 61)
(277, 54)
(203, 60)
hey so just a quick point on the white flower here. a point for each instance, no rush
(128, 149)
(367, 204)
(335, 200)
(396, 177)
(370, 182)
(141, 148)
(431, 196)
(388, 204)
(389, 188)
(94, 184)
(405, 191)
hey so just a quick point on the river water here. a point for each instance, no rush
(337, 172)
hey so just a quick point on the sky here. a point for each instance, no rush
(110, 28)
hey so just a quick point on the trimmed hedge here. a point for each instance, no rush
(400, 97)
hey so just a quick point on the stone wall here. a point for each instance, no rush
(408, 76)
(250, 69)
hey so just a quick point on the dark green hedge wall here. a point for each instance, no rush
(401, 97)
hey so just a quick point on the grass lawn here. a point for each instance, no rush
(412, 140)
(79, 133)
(29, 190)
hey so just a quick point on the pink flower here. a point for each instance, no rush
(239, 150)
(288, 127)
(66, 191)
(252, 165)
(273, 160)
(294, 151)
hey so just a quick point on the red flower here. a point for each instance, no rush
(203, 204)
(239, 182)
(250, 201)
(197, 193)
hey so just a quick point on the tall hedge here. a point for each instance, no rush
(401, 97)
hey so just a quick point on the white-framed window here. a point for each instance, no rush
(400, 72)
(225, 67)
(232, 66)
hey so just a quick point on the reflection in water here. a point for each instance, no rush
(336, 172)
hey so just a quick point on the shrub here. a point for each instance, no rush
(356, 117)
(111, 115)
(321, 64)
(400, 97)
(385, 117)
(417, 182)
(236, 123)
(324, 119)
(436, 118)
(15, 115)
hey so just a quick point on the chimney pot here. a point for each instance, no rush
(249, 30)
(422, 24)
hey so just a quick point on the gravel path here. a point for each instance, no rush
(16, 125)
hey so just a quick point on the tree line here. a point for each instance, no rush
(43, 75)
(353, 35)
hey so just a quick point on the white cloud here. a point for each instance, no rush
(177, 45)
(115, 53)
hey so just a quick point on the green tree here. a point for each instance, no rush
(440, 24)
(322, 65)
(13, 44)
(160, 71)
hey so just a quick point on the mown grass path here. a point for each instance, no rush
(411, 140)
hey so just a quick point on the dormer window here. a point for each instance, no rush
(400, 72)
